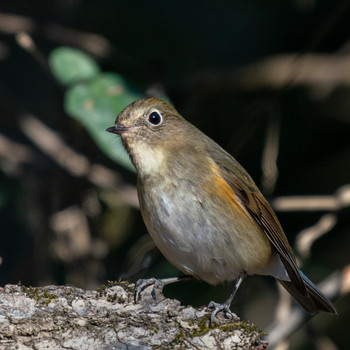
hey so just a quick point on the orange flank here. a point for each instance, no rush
(221, 189)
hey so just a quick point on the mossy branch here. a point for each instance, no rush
(67, 317)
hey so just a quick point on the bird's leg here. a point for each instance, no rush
(225, 307)
(158, 285)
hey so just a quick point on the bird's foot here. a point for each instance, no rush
(142, 284)
(225, 308)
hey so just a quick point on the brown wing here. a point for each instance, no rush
(253, 202)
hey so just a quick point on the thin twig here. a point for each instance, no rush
(92, 43)
(276, 72)
(26, 42)
(339, 200)
(306, 238)
(14, 155)
(270, 154)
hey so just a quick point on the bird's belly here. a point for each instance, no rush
(202, 239)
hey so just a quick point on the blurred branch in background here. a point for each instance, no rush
(26, 42)
(270, 154)
(12, 23)
(333, 203)
(308, 236)
(72, 235)
(51, 144)
(338, 201)
(14, 155)
(323, 72)
(276, 72)
(74, 163)
(92, 43)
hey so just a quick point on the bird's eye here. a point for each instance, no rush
(155, 118)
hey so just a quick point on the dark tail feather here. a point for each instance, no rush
(313, 301)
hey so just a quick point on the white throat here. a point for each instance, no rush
(148, 159)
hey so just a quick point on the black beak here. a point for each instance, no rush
(117, 129)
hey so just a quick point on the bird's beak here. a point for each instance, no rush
(118, 129)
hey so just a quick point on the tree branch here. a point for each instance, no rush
(67, 317)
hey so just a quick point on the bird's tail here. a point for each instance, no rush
(313, 300)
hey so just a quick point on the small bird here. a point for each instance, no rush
(203, 210)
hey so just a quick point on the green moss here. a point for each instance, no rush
(202, 327)
(179, 339)
(114, 324)
(121, 300)
(112, 297)
(101, 289)
(95, 322)
(40, 295)
(125, 284)
(246, 327)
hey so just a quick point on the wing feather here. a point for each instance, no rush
(254, 203)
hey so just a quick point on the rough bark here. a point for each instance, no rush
(63, 317)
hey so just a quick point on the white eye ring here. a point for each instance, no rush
(155, 118)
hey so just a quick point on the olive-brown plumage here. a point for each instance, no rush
(202, 209)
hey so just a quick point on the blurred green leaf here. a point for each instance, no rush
(71, 65)
(93, 98)
(96, 105)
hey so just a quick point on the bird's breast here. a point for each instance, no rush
(200, 227)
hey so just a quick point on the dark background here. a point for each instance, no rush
(202, 55)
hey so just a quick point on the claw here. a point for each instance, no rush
(142, 284)
(225, 307)
(220, 307)
(158, 285)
